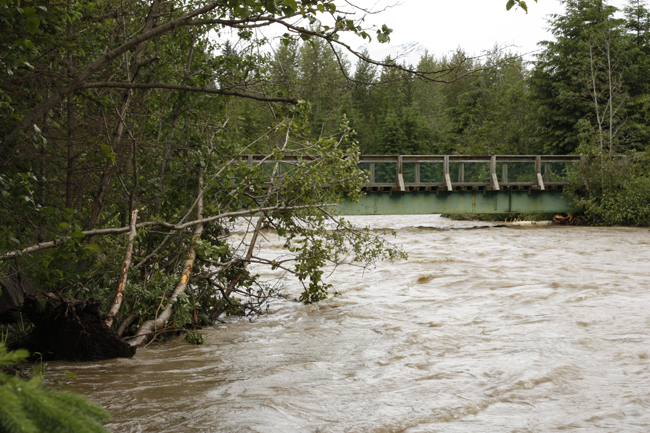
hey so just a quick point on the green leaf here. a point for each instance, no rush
(270, 6)
(510, 4)
(77, 235)
(93, 248)
(108, 152)
(64, 226)
(290, 6)
(32, 24)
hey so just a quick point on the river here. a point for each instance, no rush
(492, 329)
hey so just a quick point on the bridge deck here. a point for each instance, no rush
(422, 184)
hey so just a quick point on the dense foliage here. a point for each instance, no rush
(107, 108)
(110, 108)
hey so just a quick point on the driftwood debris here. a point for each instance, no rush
(565, 220)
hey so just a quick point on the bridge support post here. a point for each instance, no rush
(446, 173)
(493, 173)
(538, 172)
(400, 176)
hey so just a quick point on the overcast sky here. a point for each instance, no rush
(475, 25)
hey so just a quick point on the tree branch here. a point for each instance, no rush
(113, 85)
(177, 227)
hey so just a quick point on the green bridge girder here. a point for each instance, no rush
(458, 202)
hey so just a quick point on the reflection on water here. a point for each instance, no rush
(503, 329)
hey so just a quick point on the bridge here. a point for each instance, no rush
(425, 184)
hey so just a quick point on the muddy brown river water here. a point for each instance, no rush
(497, 329)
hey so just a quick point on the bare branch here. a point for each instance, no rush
(432, 76)
(113, 85)
(176, 227)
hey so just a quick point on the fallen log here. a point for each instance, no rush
(565, 220)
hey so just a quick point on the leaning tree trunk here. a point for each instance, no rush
(148, 328)
(125, 272)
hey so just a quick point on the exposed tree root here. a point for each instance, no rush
(71, 330)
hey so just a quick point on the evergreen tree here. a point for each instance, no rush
(417, 132)
(492, 117)
(364, 105)
(284, 66)
(404, 133)
(28, 407)
(392, 138)
(563, 77)
(637, 74)
(431, 100)
(322, 84)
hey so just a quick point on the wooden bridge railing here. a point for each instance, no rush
(450, 172)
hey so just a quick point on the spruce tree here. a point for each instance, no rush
(561, 79)
(29, 407)
(637, 74)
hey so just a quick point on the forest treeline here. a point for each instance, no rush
(587, 87)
